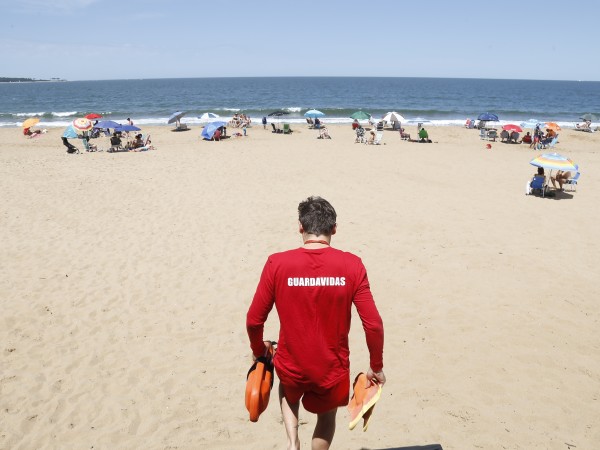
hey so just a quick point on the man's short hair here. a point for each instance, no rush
(317, 216)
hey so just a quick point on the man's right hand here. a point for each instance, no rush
(376, 377)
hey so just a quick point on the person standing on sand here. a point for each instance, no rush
(313, 288)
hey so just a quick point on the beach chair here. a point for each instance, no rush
(492, 135)
(482, 134)
(504, 136)
(514, 137)
(378, 138)
(286, 128)
(276, 129)
(538, 186)
(548, 143)
(404, 136)
(115, 144)
(573, 182)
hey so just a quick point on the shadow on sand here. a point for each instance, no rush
(412, 447)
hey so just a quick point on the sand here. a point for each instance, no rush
(126, 277)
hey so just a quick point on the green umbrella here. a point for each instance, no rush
(360, 115)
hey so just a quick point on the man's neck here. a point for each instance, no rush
(312, 241)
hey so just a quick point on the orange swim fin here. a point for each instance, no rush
(259, 382)
(363, 401)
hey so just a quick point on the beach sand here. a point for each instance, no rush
(126, 278)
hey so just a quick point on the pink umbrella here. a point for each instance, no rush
(512, 127)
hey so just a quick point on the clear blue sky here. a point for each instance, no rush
(109, 39)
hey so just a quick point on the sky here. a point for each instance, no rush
(109, 39)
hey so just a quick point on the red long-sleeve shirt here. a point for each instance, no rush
(313, 291)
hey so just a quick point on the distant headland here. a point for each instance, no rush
(26, 80)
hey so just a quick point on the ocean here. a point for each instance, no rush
(442, 101)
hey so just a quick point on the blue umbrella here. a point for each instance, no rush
(488, 117)
(127, 128)
(107, 124)
(209, 130)
(314, 113)
(70, 133)
(176, 117)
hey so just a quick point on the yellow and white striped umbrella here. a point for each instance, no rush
(82, 124)
(554, 161)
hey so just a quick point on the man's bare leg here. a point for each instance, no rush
(324, 430)
(289, 414)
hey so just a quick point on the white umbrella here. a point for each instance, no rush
(208, 117)
(393, 116)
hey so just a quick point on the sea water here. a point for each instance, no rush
(442, 101)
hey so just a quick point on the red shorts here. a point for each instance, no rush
(316, 399)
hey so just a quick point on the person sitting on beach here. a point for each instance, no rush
(423, 135)
(115, 143)
(371, 137)
(540, 173)
(324, 133)
(137, 143)
(310, 122)
(317, 123)
(217, 135)
(32, 133)
(587, 125)
(550, 133)
(560, 178)
(527, 138)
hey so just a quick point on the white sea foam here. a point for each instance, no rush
(29, 114)
(64, 114)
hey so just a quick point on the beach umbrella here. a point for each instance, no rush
(107, 124)
(393, 116)
(512, 127)
(82, 124)
(176, 117)
(552, 126)
(93, 116)
(589, 116)
(127, 128)
(30, 122)
(209, 130)
(70, 133)
(208, 116)
(360, 115)
(488, 117)
(554, 161)
(314, 113)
